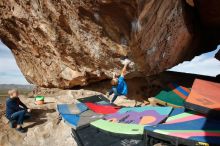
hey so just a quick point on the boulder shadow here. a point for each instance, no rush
(38, 117)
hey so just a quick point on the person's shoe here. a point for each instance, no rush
(21, 129)
(13, 124)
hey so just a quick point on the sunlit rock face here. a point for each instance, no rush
(66, 43)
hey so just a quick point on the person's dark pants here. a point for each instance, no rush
(18, 116)
(114, 90)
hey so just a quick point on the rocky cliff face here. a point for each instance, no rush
(66, 43)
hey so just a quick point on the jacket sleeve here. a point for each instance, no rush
(22, 104)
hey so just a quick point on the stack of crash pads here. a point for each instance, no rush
(88, 135)
(174, 95)
(197, 125)
(204, 98)
(186, 128)
(142, 125)
(94, 119)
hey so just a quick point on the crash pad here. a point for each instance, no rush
(103, 103)
(204, 97)
(102, 109)
(71, 108)
(93, 99)
(91, 136)
(183, 117)
(174, 95)
(176, 111)
(146, 115)
(79, 120)
(87, 117)
(119, 128)
(187, 129)
(70, 119)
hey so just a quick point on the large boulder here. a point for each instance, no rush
(66, 43)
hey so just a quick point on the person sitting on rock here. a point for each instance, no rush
(119, 86)
(16, 111)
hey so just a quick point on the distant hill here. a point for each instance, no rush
(23, 89)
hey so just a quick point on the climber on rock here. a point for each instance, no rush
(119, 86)
(16, 111)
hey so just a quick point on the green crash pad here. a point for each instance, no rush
(174, 95)
(119, 128)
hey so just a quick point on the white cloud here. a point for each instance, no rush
(204, 64)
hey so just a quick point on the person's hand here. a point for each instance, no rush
(113, 75)
(28, 110)
(126, 62)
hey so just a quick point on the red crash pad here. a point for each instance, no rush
(204, 97)
(102, 109)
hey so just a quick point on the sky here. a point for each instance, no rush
(9, 71)
(204, 64)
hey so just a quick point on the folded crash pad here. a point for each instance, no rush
(187, 129)
(102, 108)
(174, 95)
(146, 115)
(204, 98)
(77, 121)
(71, 108)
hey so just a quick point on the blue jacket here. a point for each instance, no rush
(13, 105)
(122, 88)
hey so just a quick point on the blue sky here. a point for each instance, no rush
(9, 71)
(204, 64)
